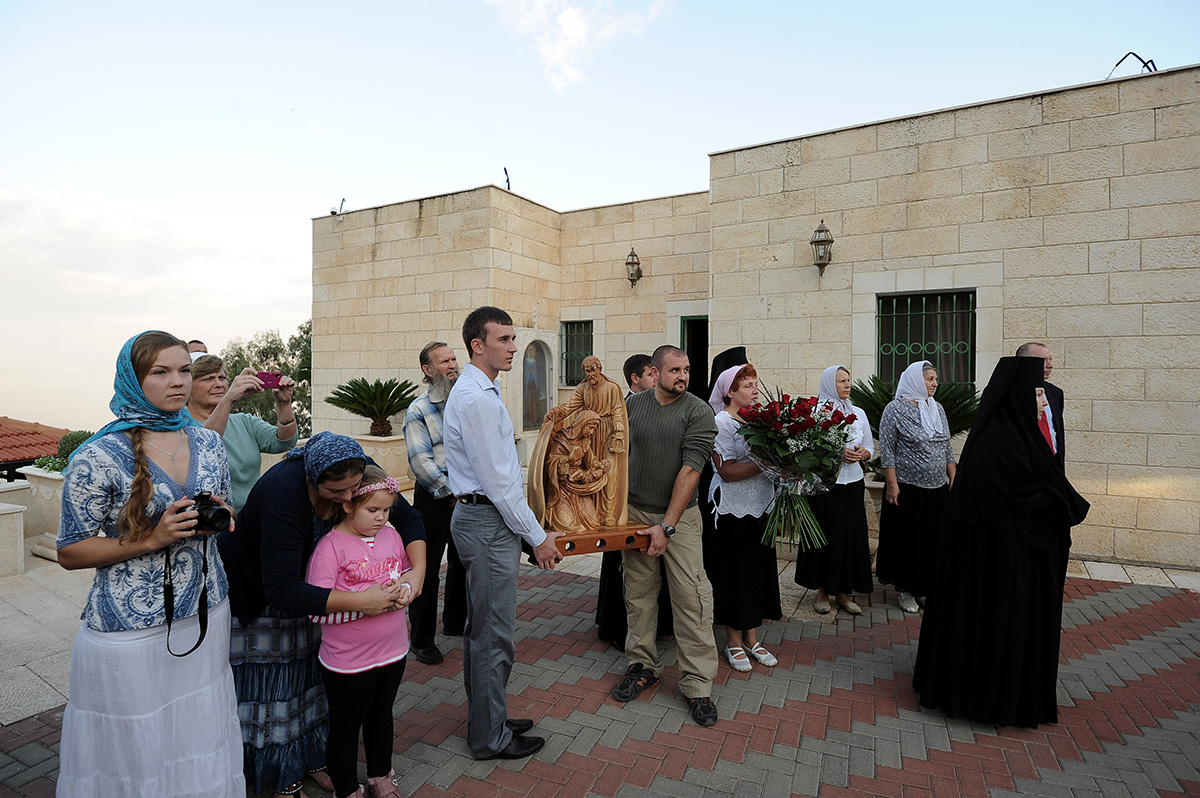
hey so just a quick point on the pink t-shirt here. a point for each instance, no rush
(350, 563)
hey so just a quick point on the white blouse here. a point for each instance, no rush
(860, 435)
(747, 496)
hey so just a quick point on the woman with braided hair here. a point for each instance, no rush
(152, 709)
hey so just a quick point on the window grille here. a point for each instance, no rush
(939, 328)
(576, 345)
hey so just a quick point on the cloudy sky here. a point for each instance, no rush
(160, 163)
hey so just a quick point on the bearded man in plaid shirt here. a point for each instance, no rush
(434, 501)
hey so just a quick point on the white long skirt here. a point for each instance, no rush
(144, 724)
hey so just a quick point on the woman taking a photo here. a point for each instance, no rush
(247, 437)
(274, 645)
(918, 467)
(843, 565)
(152, 710)
(742, 570)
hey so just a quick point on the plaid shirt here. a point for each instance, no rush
(423, 439)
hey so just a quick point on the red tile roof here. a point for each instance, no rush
(27, 440)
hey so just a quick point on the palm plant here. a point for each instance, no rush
(958, 399)
(377, 401)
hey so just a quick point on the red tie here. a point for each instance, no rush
(1044, 426)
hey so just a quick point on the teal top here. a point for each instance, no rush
(247, 438)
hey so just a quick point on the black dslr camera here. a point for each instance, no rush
(213, 517)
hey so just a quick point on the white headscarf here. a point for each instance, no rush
(722, 386)
(827, 390)
(912, 387)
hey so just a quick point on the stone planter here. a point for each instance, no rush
(391, 455)
(12, 540)
(875, 490)
(44, 511)
(874, 502)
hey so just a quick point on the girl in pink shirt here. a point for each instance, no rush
(362, 657)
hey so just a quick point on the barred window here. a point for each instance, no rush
(938, 327)
(576, 345)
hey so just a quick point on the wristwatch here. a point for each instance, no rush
(668, 530)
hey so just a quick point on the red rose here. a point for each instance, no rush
(793, 429)
(807, 424)
(837, 417)
(850, 419)
(826, 424)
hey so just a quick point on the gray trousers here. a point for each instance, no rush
(491, 554)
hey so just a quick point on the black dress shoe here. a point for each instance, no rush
(430, 655)
(518, 748)
(518, 725)
(449, 632)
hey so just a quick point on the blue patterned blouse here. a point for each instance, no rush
(129, 594)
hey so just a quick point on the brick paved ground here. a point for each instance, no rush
(837, 717)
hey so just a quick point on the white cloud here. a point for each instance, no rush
(567, 32)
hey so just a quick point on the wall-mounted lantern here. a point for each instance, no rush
(822, 244)
(633, 268)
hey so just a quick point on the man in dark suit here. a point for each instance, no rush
(1054, 396)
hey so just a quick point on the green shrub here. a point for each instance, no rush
(71, 441)
(51, 462)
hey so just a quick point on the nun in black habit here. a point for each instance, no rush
(989, 639)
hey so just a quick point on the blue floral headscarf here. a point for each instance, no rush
(324, 450)
(130, 405)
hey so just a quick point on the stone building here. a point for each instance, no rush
(1070, 216)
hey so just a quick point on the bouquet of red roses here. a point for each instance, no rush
(801, 444)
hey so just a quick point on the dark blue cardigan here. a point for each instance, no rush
(266, 555)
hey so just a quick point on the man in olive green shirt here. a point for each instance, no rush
(671, 435)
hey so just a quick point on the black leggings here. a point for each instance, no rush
(360, 700)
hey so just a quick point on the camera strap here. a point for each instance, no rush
(169, 601)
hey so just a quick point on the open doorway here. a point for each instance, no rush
(693, 337)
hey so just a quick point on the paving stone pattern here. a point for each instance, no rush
(836, 717)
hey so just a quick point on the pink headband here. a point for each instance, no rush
(389, 484)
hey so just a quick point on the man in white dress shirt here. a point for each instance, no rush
(490, 519)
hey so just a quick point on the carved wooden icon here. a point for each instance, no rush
(579, 472)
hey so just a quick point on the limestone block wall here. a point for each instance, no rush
(1075, 215)
(671, 237)
(388, 280)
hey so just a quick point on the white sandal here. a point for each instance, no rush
(738, 659)
(763, 656)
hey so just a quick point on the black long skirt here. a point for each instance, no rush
(990, 637)
(612, 624)
(843, 564)
(908, 533)
(743, 573)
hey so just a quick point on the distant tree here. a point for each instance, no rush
(266, 351)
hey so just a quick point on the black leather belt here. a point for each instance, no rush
(475, 498)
